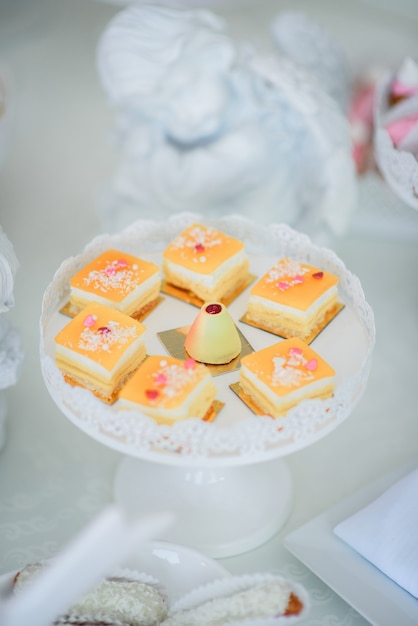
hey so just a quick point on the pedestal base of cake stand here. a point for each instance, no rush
(221, 511)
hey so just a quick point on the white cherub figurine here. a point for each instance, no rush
(206, 126)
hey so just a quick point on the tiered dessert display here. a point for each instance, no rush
(225, 477)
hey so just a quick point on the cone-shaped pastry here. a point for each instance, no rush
(213, 337)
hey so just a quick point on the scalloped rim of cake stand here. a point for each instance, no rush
(249, 440)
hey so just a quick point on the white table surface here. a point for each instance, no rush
(53, 478)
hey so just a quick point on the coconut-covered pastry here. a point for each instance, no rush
(118, 280)
(170, 389)
(213, 337)
(206, 262)
(99, 349)
(267, 597)
(126, 599)
(293, 299)
(280, 376)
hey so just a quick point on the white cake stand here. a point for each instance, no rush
(227, 482)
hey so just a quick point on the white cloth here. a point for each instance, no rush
(385, 532)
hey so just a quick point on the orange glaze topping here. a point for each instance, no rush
(100, 333)
(113, 275)
(202, 249)
(163, 381)
(287, 365)
(294, 284)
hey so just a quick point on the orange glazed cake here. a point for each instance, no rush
(169, 389)
(206, 262)
(292, 299)
(99, 349)
(119, 280)
(280, 376)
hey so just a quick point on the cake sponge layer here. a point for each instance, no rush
(169, 389)
(206, 262)
(99, 348)
(292, 298)
(116, 279)
(283, 374)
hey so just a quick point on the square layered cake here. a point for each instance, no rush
(293, 299)
(99, 349)
(280, 376)
(206, 262)
(118, 280)
(170, 389)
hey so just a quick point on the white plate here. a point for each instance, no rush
(237, 436)
(375, 596)
(178, 568)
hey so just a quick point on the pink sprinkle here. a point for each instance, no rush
(152, 394)
(161, 379)
(189, 364)
(295, 350)
(311, 365)
(298, 279)
(283, 286)
(318, 275)
(121, 263)
(90, 320)
(110, 271)
(199, 247)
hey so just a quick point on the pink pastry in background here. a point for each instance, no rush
(360, 116)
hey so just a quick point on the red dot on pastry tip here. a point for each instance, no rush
(318, 275)
(213, 309)
(199, 247)
(104, 330)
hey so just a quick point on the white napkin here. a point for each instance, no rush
(385, 532)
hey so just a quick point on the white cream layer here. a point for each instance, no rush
(278, 308)
(183, 410)
(127, 302)
(293, 396)
(90, 366)
(208, 280)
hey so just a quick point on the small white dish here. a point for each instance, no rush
(178, 568)
(375, 596)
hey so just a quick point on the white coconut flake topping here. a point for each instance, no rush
(117, 275)
(286, 268)
(173, 378)
(105, 337)
(286, 372)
